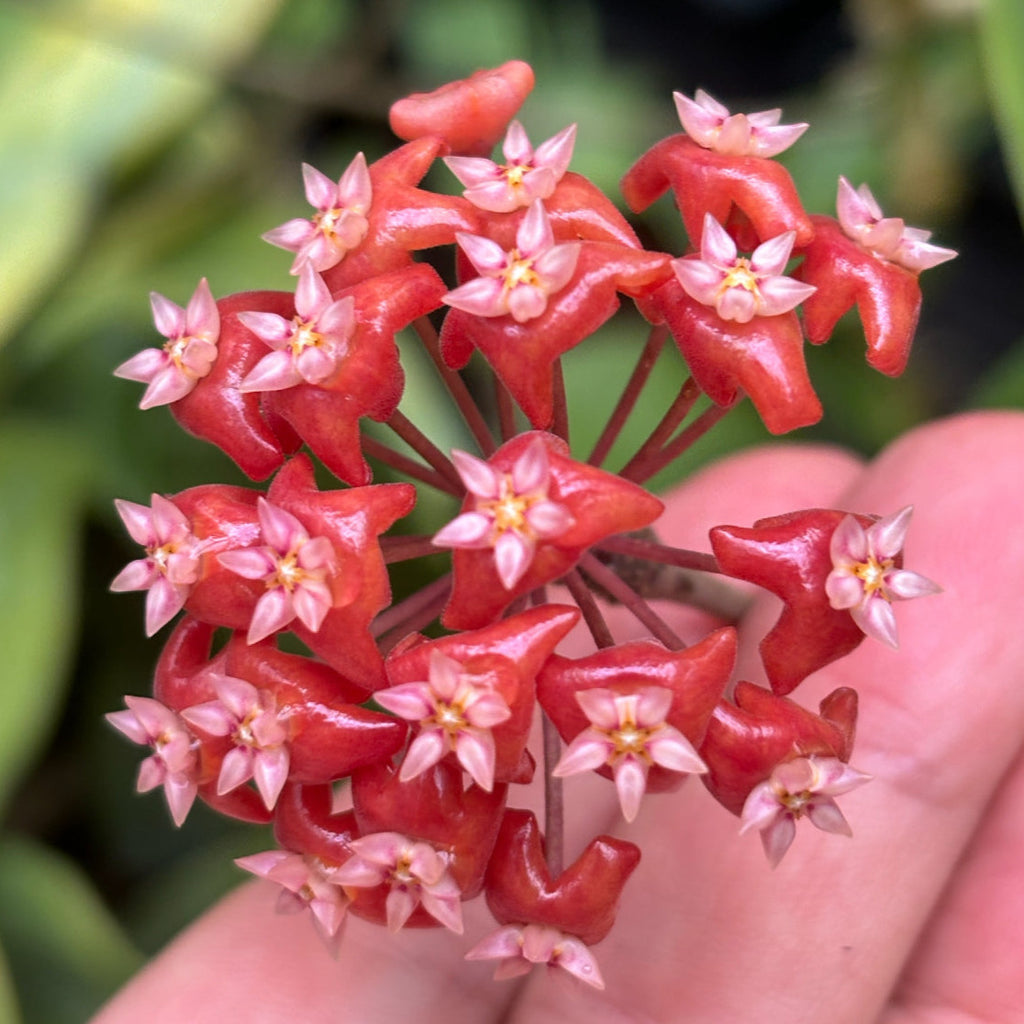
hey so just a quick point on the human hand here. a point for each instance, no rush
(919, 918)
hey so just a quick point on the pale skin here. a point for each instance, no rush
(918, 919)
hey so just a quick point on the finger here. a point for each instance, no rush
(705, 925)
(242, 961)
(969, 960)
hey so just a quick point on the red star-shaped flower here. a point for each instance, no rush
(212, 406)
(351, 520)
(837, 575)
(471, 113)
(402, 218)
(705, 181)
(366, 378)
(257, 712)
(789, 555)
(432, 808)
(490, 675)
(581, 901)
(530, 513)
(566, 301)
(683, 687)
(887, 295)
(732, 317)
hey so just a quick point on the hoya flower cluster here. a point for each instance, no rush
(390, 762)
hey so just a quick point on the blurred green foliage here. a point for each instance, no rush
(143, 146)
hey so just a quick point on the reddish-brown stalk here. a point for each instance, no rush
(464, 402)
(656, 339)
(675, 414)
(607, 580)
(641, 471)
(412, 613)
(402, 548)
(426, 448)
(410, 467)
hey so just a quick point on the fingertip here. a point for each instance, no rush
(763, 481)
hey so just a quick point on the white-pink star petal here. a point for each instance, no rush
(865, 578)
(171, 565)
(455, 711)
(250, 717)
(711, 126)
(526, 175)
(306, 882)
(803, 786)
(309, 347)
(628, 733)
(510, 513)
(174, 763)
(294, 568)
(519, 282)
(861, 219)
(415, 872)
(519, 947)
(188, 354)
(339, 223)
(740, 288)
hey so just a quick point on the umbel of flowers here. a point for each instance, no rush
(431, 733)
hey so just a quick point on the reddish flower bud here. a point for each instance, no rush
(470, 114)
(582, 900)
(704, 181)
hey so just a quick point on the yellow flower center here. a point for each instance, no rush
(175, 349)
(795, 803)
(509, 511)
(520, 271)
(872, 574)
(515, 174)
(289, 574)
(327, 220)
(741, 276)
(449, 717)
(304, 336)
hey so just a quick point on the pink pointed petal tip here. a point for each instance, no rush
(475, 752)
(777, 839)
(424, 752)
(513, 554)
(630, 784)
(587, 752)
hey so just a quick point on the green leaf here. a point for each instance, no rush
(84, 87)
(43, 477)
(1002, 39)
(9, 1012)
(55, 926)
